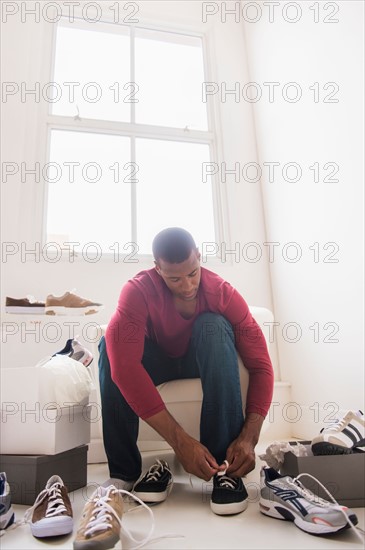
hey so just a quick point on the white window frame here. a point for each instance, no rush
(212, 137)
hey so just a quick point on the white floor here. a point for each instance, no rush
(187, 515)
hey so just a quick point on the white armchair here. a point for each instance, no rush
(183, 399)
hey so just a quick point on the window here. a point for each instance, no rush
(128, 134)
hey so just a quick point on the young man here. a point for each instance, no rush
(180, 320)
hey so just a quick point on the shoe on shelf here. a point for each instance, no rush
(229, 495)
(70, 304)
(76, 351)
(6, 511)
(24, 305)
(100, 522)
(284, 497)
(345, 435)
(51, 513)
(156, 484)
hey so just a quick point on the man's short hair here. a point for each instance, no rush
(173, 245)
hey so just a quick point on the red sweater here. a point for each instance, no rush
(146, 308)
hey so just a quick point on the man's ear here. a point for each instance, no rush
(198, 255)
(157, 267)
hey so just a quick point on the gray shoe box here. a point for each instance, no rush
(342, 475)
(27, 475)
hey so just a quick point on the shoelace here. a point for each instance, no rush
(156, 471)
(101, 518)
(55, 504)
(220, 474)
(321, 502)
(226, 481)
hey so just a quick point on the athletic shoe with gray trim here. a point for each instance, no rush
(6, 511)
(284, 497)
(76, 351)
(345, 435)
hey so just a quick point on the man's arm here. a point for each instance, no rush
(193, 456)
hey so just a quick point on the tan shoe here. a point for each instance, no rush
(51, 513)
(70, 304)
(100, 523)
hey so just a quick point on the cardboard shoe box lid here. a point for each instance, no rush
(342, 475)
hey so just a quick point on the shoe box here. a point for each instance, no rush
(28, 475)
(30, 425)
(342, 475)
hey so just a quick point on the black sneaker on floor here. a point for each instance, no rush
(156, 484)
(229, 495)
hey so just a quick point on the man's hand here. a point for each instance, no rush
(241, 452)
(195, 458)
(241, 458)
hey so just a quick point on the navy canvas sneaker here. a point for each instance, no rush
(156, 484)
(229, 495)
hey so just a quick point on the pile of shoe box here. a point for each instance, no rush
(39, 439)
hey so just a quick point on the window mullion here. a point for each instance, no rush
(133, 140)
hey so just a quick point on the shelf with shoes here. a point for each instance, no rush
(67, 304)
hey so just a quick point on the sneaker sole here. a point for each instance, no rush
(325, 448)
(98, 544)
(52, 527)
(7, 519)
(61, 310)
(229, 509)
(280, 511)
(24, 309)
(154, 497)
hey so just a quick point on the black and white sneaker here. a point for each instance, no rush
(345, 435)
(156, 484)
(229, 495)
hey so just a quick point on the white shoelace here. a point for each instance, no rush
(101, 518)
(156, 470)
(222, 473)
(226, 481)
(306, 493)
(55, 504)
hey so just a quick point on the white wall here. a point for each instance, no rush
(26, 57)
(306, 212)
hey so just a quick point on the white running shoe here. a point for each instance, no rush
(284, 497)
(76, 351)
(343, 436)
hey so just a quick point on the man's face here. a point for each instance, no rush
(182, 279)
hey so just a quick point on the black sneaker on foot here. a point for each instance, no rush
(229, 495)
(156, 484)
